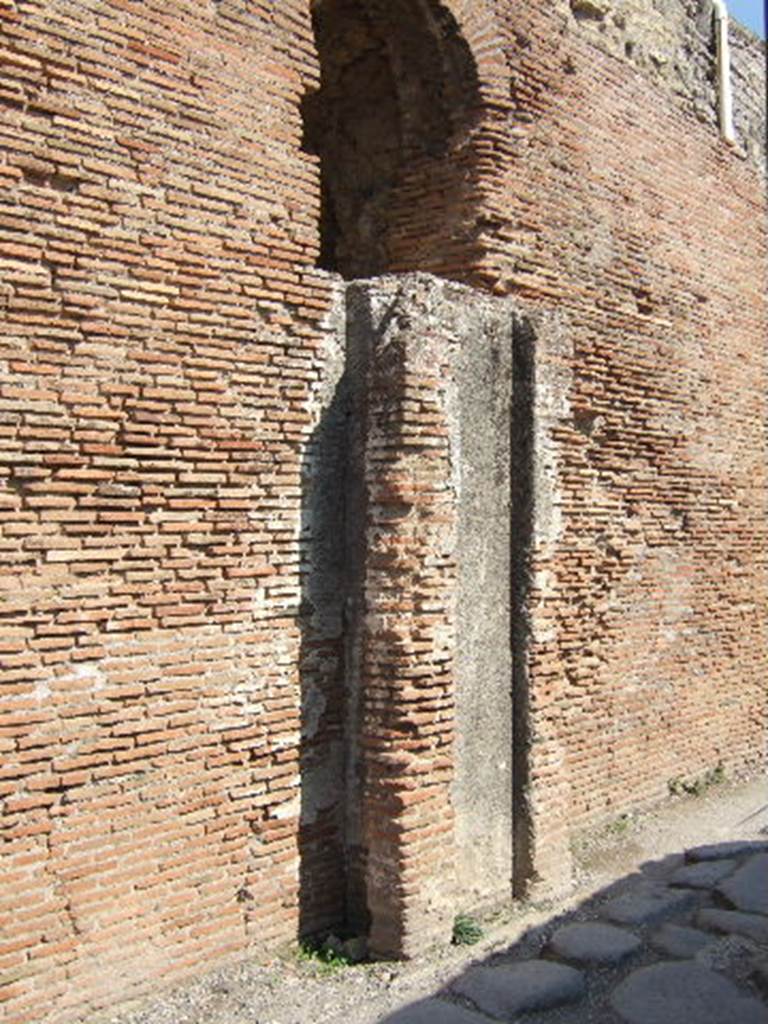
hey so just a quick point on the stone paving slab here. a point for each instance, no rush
(714, 973)
(760, 975)
(730, 955)
(718, 851)
(704, 874)
(733, 922)
(747, 888)
(678, 941)
(684, 993)
(434, 1011)
(647, 906)
(594, 943)
(509, 989)
(659, 870)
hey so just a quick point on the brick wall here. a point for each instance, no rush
(161, 354)
(632, 219)
(432, 363)
(407, 685)
(169, 362)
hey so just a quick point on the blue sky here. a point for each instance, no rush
(750, 13)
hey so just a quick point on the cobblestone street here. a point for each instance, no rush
(685, 940)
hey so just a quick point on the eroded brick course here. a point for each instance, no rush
(166, 360)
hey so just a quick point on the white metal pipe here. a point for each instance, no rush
(724, 95)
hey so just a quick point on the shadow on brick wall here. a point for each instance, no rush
(323, 754)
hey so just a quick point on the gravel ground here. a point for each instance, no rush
(289, 990)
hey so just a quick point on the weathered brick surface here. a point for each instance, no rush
(433, 366)
(161, 348)
(165, 360)
(647, 233)
(408, 626)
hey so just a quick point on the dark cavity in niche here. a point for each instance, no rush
(398, 89)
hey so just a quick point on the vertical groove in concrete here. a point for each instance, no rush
(521, 537)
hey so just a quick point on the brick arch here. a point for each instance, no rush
(482, 32)
(394, 123)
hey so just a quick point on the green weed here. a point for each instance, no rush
(466, 930)
(678, 786)
(619, 826)
(325, 956)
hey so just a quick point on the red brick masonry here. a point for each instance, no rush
(167, 350)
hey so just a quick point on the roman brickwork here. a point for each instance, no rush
(430, 679)
(645, 660)
(164, 342)
(329, 604)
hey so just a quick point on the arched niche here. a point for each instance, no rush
(391, 123)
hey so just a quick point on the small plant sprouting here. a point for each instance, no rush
(466, 930)
(695, 787)
(328, 956)
(715, 776)
(690, 787)
(619, 826)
